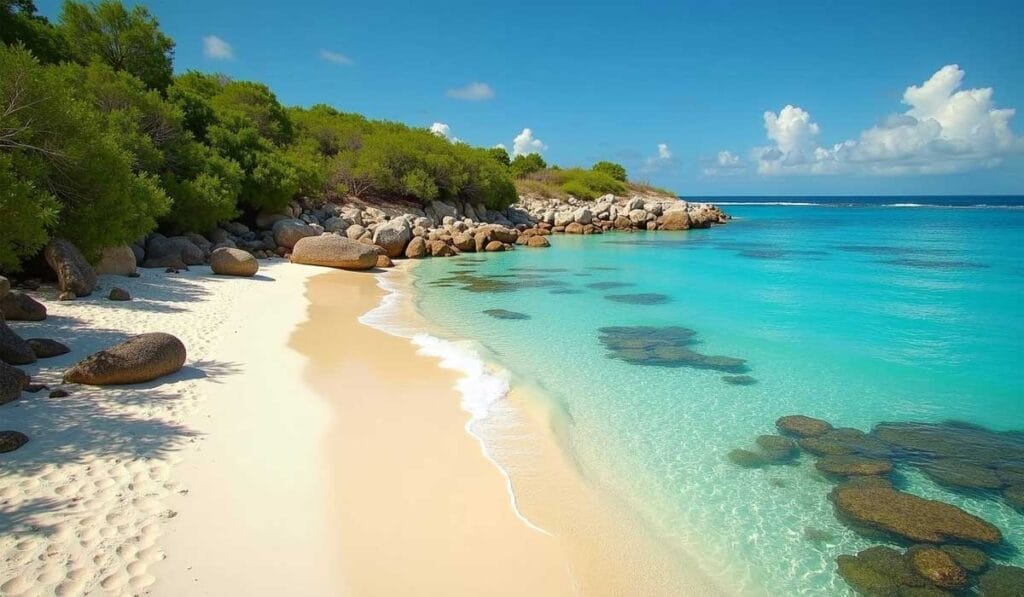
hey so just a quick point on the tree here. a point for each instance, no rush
(612, 169)
(524, 165)
(64, 171)
(499, 154)
(128, 40)
(19, 24)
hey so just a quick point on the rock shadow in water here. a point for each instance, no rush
(506, 314)
(663, 347)
(566, 291)
(739, 380)
(496, 283)
(934, 264)
(609, 285)
(644, 298)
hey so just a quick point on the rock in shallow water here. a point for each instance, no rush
(938, 567)
(848, 464)
(910, 517)
(739, 380)
(12, 440)
(662, 347)
(802, 426)
(1002, 581)
(506, 314)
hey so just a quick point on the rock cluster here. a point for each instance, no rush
(663, 347)
(655, 212)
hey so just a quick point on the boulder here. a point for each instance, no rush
(638, 216)
(266, 220)
(1014, 495)
(162, 251)
(910, 517)
(139, 359)
(18, 306)
(849, 464)
(355, 231)
(464, 241)
(574, 228)
(563, 218)
(13, 349)
(12, 440)
(384, 261)
(583, 216)
(845, 440)
(494, 246)
(44, 348)
(233, 262)
(622, 223)
(393, 236)
(12, 382)
(537, 241)
(676, 219)
(289, 231)
(439, 248)
(938, 567)
(636, 202)
(777, 448)
(119, 294)
(336, 224)
(118, 261)
(74, 274)
(970, 559)
(747, 458)
(5, 286)
(331, 250)
(417, 248)
(802, 426)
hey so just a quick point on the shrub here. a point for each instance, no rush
(616, 171)
(524, 165)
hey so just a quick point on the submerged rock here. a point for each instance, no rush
(848, 464)
(844, 440)
(938, 567)
(802, 426)
(12, 440)
(506, 314)
(662, 347)
(747, 458)
(864, 579)
(910, 517)
(970, 559)
(1014, 495)
(1002, 581)
(777, 448)
(739, 380)
(644, 298)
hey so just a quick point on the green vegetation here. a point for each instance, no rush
(612, 169)
(102, 144)
(580, 183)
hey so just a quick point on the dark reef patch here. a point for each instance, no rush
(566, 291)
(936, 264)
(506, 314)
(891, 250)
(609, 285)
(496, 283)
(663, 347)
(644, 298)
(739, 380)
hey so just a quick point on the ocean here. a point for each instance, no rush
(659, 353)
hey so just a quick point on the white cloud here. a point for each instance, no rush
(336, 58)
(440, 129)
(216, 48)
(525, 144)
(725, 163)
(473, 92)
(500, 146)
(944, 129)
(655, 162)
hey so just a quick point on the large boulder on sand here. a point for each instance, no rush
(331, 250)
(393, 236)
(74, 274)
(12, 382)
(13, 349)
(143, 358)
(176, 252)
(910, 517)
(18, 306)
(417, 248)
(119, 261)
(45, 348)
(233, 262)
(290, 231)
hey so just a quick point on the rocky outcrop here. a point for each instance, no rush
(331, 250)
(416, 249)
(12, 382)
(176, 252)
(118, 261)
(140, 359)
(74, 274)
(13, 349)
(226, 261)
(910, 517)
(18, 306)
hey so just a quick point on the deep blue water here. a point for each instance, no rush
(857, 315)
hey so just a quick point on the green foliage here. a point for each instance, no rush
(19, 24)
(525, 165)
(612, 169)
(500, 154)
(28, 212)
(580, 183)
(239, 104)
(63, 161)
(128, 40)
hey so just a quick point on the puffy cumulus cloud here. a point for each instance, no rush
(944, 129)
(336, 58)
(443, 130)
(525, 143)
(664, 153)
(216, 48)
(473, 92)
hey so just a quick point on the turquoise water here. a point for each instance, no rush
(855, 315)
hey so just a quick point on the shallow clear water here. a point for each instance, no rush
(855, 315)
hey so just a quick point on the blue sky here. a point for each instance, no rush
(710, 80)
